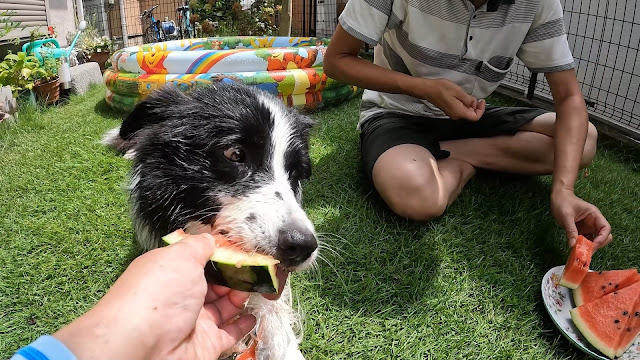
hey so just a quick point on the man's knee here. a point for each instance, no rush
(415, 196)
(424, 204)
(590, 146)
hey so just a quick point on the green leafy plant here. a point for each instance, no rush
(20, 72)
(229, 18)
(48, 71)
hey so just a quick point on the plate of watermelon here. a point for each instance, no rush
(598, 311)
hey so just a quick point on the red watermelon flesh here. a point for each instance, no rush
(631, 331)
(598, 284)
(578, 263)
(603, 321)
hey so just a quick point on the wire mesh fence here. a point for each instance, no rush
(134, 22)
(605, 38)
(131, 22)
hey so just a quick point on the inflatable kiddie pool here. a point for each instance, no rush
(288, 67)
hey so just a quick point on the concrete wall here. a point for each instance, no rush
(62, 15)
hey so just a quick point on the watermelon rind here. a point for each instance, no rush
(589, 335)
(592, 319)
(237, 269)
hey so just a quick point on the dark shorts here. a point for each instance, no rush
(381, 132)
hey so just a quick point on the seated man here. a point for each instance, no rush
(423, 129)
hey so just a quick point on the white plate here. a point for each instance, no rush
(558, 301)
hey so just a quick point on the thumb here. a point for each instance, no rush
(571, 232)
(468, 100)
(200, 247)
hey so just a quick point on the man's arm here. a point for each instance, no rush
(575, 215)
(571, 128)
(341, 62)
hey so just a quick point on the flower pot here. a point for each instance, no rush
(48, 92)
(99, 57)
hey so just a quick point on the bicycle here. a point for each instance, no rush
(153, 32)
(184, 25)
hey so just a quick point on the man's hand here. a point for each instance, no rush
(577, 216)
(450, 98)
(341, 62)
(162, 308)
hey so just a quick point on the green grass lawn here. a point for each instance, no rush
(462, 287)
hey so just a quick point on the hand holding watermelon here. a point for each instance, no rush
(577, 216)
(607, 311)
(162, 307)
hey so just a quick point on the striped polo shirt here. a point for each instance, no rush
(451, 39)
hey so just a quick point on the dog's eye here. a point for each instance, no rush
(234, 154)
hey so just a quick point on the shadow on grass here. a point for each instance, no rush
(500, 232)
(619, 152)
(103, 109)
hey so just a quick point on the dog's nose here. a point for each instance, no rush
(295, 244)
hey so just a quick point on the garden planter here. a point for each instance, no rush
(99, 57)
(48, 92)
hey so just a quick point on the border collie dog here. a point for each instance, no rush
(227, 159)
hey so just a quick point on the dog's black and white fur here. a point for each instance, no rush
(230, 159)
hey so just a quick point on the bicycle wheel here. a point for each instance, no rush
(150, 35)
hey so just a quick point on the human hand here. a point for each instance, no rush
(450, 98)
(162, 307)
(577, 216)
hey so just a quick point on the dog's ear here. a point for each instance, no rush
(304, 123)
(154, 109)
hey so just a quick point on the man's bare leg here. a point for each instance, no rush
(418, 187)
(415, 185)
(528, 152)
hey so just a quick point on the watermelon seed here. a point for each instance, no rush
(603, 287)
(615, 293)
(617, 285)
(637, 313)
(625, 313)
(610, 284)
(600, 273)
(616, 321)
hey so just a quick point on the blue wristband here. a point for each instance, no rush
(44, 348)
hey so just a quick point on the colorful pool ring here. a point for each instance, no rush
(288, 67)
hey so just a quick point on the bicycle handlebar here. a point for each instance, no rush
(148, 11)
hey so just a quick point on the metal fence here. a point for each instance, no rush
(605, 39)
(121, 19)
(604, 36)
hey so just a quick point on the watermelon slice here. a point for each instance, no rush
(603, 321)
(598, 284)
(235, 268)
(631, 331)
(578, 263)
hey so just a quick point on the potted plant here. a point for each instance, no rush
(47, 85)
(24, 73)
(18, 72)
